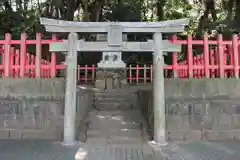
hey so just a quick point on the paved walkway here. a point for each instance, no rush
(47, 150)
(35, 150)
(114, 152)
(174, 151)
(200, 150)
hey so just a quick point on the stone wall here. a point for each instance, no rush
(84, 97)
(34, 108)
(31, 108)
(198, 109)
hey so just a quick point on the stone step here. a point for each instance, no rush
(106, 124)
(125, 140)
(113, 94)
(119, 90)
(97, 141)
(115, 141)
(113, 99)
(112, 119)
(128, 133)
(116, 113)
(127, 115)
(113, 105)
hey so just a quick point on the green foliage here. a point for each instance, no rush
(19, 21)
(26, 19)
(124, 13)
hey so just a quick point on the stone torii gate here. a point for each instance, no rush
(114, 44)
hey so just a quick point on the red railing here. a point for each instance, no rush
(217, 58)
(23, 64)
(29, 65)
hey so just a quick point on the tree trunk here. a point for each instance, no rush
(210, 8)
(237, 15)
(85, 11)
(229, 7)
(95, 10)
(70, 10)
(160, 9)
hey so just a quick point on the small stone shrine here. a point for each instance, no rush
(111, 72)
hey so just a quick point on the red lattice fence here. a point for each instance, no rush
(219, 59)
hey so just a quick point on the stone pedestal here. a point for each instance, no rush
(111, 60)
(110, 79)
(111, 69)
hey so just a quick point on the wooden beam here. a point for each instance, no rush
(126, 47)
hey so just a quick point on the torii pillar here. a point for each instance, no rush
(158, 92)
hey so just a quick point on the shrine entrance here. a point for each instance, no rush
(112, 45)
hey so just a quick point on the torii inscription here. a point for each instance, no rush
(158, 46)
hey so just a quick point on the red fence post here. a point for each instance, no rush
(11, 62)
(145, 74)
(32, 63)
(137, 73)
(175, 65)
(190, 56)
(202, 59)
(7, 50)
(27, 66)
(130, 73)
(235, 55)
(38, 55)
(220, 55)
(17, 59)
(231, 58)
(211, 53)
(22, 53)
(86, 74)
(53, 59)
(225, 54)
(206, 56)
(194, 69)
(93, 74)
(174, 60)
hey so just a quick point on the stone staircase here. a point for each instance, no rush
(115, 119)
(114, 100)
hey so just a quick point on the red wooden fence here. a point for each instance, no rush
(219, 59)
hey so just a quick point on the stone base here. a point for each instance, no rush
(105, 65)
(100, 84)
(110, 79)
